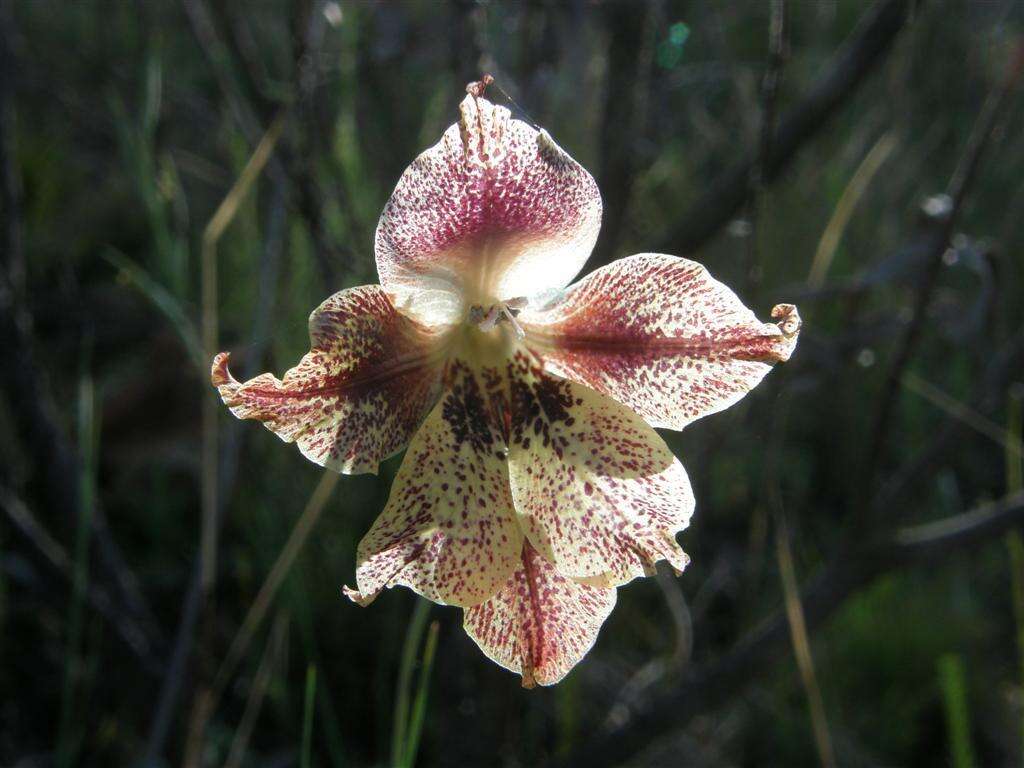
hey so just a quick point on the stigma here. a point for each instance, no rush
(504, 312)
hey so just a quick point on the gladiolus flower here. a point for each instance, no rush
(534, 483)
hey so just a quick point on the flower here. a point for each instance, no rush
(534, 484)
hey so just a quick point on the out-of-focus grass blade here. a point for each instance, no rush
(268, 590)
(162, 299)
(272, 654)
(568, 704)
(1014, 483)
(88, 440)
(419, 707)
(137, 143)
(307, 717)
(802, 646)
(152, 92)
(327, 713)
(830, 238)
(403, 687)
(958, 725)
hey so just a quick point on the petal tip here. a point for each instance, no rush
(219, 373)
(787, 319)
(477, 87)
(358, 597)
(528, 681)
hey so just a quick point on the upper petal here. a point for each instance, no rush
(540, 624)
(448, 530)
(597, 491)
(662, 336)
(358, 395)
(494, 211)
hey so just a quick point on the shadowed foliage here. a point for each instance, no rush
(180, 178)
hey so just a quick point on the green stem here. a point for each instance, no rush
(404, 684)
(954, 694)
(419, 707)
(307, 717)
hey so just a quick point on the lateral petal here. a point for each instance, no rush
(597, 491)
(494, 211)
(541, 624)
(448, 531)
(370, 377)
(662, 336)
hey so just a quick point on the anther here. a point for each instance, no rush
(476, 89)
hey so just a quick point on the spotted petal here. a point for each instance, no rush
(358, 395)
(598, 492)
(540, 624)
(662, 336)
(494, 211)
(448, 530)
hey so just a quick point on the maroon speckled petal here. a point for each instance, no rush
(662, 336)
(448, 530)
(541, 624)
(494, 211)
(358, 395)
(598, 492)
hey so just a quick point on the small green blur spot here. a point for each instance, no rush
(678, 34)
(670, 51)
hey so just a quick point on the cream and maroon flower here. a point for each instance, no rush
(534, 484)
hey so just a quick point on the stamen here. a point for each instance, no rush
(510, 316)
(496, 313)
(491, 319)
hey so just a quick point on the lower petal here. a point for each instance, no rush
(541, 624)
(448, 530)
(597, 491)
(370, 377)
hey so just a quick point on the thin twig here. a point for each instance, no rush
(802, 645)
(218, 57)
(201, 21)
(216, 227)
(258, 691)
(863, 51)
(769, 102)
(124, 624)
(658, 670)
(1005, 365)
(942, 228)
(36, 416)
(231, 446)
(264, 598)
(704, 686)
(12, 258)
(208, 698)
(627, 88)
(958, 410)
(219, 222)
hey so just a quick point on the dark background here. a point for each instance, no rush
(126, 124)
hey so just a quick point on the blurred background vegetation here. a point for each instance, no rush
(856, 595)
